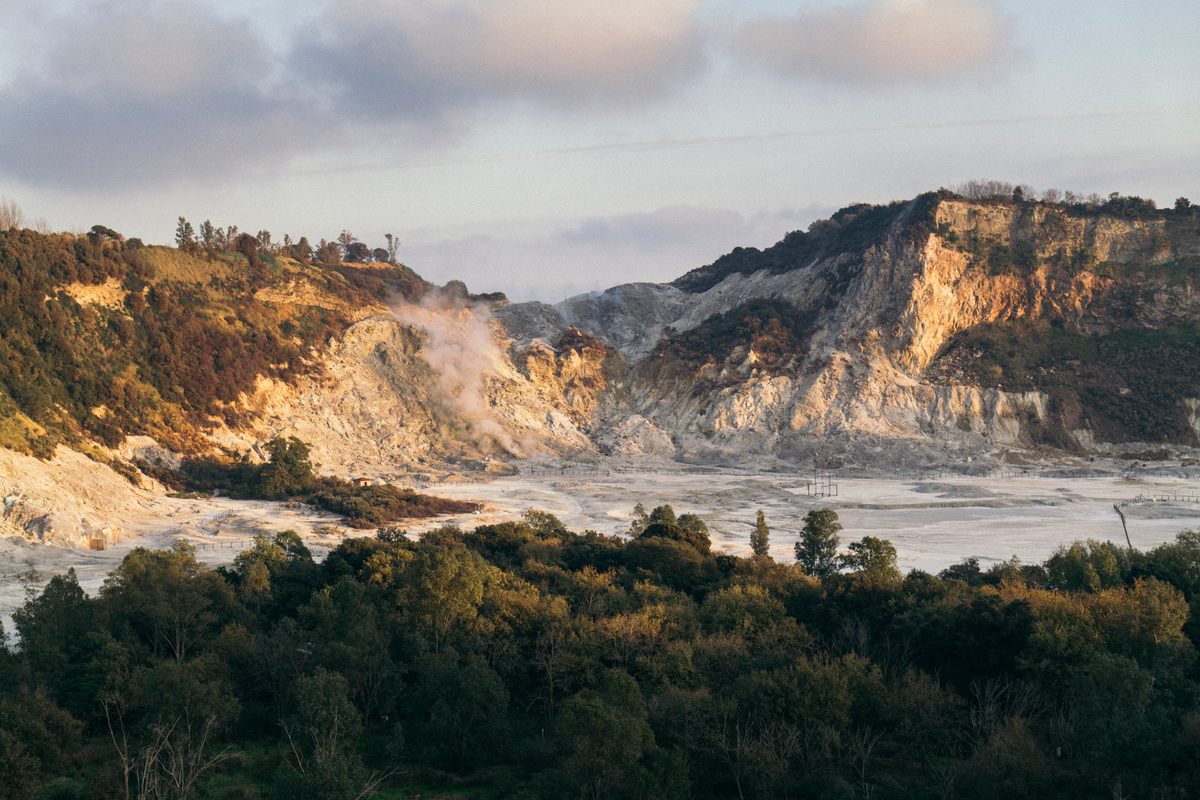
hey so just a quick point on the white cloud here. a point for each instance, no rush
(878, 40)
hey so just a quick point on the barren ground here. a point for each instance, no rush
(933, 522)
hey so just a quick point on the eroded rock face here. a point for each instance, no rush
(69, 501)
(880, 319)
(833, 345)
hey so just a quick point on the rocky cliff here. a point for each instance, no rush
(913, 333)
(892, 326)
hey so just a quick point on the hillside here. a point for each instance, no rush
(118, 359)
(915, 334)
(968, 324)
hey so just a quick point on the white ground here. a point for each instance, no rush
(933, 523)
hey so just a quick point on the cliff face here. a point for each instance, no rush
(911, 334)
(888, 323)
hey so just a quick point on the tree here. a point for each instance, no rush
(11, 215)
(461, 707)
(290, 470)
(322, 734)
(345, 239)
(99, 234)
(328, 253)
(379, 254)
(301, 250)
(875, 558)
(393, 247)
(358, 252)
(1183, 205)
(817, 549)
(664, 515)
(247, 245)
(605, 736)
(185, 235)
(760, 538)
(208, 236)
(638, 521)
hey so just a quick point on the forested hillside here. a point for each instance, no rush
(524, 660)
(102, 338)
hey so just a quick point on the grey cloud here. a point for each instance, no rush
(416, 59)
(137, 92)
(121, 94)
(878, 41)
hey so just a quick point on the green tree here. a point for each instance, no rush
(321, 737)
(605, 737)
(185, 235)
(208, 237)
(817, 549)
(461, 709)
(1087, 566)
(760, 537)
(639, 521)
(290, 470)
(247, 244)
(443, 589)
(874, 558)
(663, 515)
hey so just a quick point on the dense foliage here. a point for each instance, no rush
(1127, 385)
(774, 330)
(288, 474)
(523, 660)
(850, 231)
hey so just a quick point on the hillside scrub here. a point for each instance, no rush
(186, 336)
(526, 660)
(288, 474)
(1129, 383)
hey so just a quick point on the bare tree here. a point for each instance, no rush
(860, 745)
(11, 215)
(995, 702)
(171, 764)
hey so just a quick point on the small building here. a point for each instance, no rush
(363, 481)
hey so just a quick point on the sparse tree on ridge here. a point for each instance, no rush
(393, 247)
(11, 215)
(760, 537)
(185, 235)
(208, 236)
(247, 245)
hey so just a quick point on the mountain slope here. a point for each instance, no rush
(882, 324)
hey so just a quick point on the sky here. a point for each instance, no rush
(549, 147)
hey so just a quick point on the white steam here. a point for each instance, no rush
(462, 352)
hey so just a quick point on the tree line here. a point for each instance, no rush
(526, 660)
(212, 240)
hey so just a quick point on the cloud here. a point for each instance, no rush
(126, 93)
(425, 57)
(878, 40)
(116, 94)
(600, 252)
